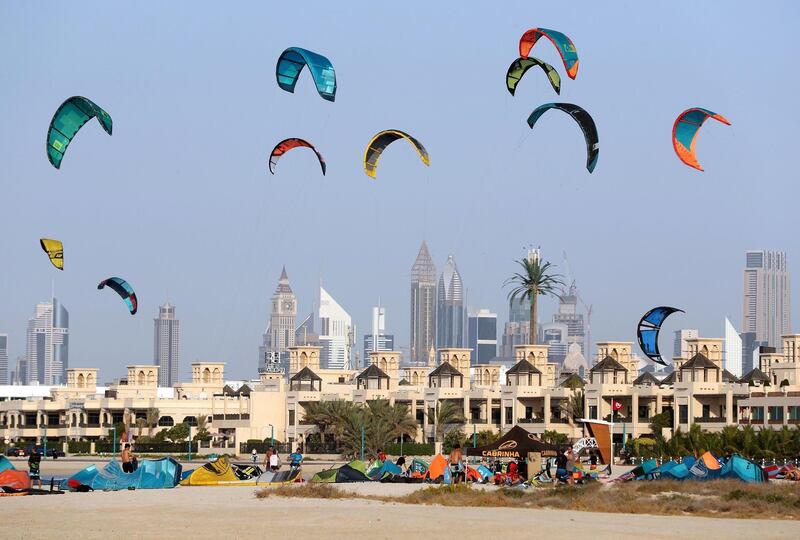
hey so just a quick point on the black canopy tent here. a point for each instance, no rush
(517, 443)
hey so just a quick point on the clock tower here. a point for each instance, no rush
(283, 317)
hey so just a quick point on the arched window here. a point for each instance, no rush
(166, 421)
(206, 375)
(74, 420)
(303, 360)
(140, 379)
(90, 380)
(191, 420)
(217, 375)
(151, 377)
(81, 381)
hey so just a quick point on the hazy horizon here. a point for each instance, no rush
(179, 201)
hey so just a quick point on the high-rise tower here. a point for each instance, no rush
(4, 359)
(280, 333)
(47, 351)
(336, 334)
(166, 338)
(423, 305)
(767, 296)
(450, 313)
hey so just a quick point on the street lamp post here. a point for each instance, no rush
(362, 443)
(271, 435)
(401, 443)
(189, 455)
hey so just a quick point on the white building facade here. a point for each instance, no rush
(335, 334)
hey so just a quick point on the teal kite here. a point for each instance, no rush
(583, 119)
(291, 63)
(68, 119)
(684, 133)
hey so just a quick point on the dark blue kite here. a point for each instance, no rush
(648, 329)
(124, 289)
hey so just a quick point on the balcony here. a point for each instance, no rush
(245, 416)
(709, 420)
(530, 420)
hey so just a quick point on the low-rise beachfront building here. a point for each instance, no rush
(531, 393)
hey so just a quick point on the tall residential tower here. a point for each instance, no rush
(423, 306)
(767, 308)
(166, 337)
(450, 312)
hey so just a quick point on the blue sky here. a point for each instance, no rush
(179, 200)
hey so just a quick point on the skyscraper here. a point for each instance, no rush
(733, 350)
(166, 337)
(47, 352)
(680, 349)
(556, 336)
(482, 336)
(423, 305)
(767, 296)
(450, 313)
(336, 333)
(4, 359)
(378, 340)
(280, 332)
(750, 348)
(568, 315)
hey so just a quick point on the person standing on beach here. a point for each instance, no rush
(34, 464)
(570, 466)
(456, 462)
(267, 455)
(274, 461)
(127, 464)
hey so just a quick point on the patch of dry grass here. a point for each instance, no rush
(720, 498)
(306, 491)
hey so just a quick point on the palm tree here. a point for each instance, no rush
(151, 419)
(572, 407)
(447, 415)
(532, 281)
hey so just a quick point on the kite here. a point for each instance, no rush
(564, 45)
(286, 145)
(383, 139)
(520, 66)
(122, 288)
(290, 64)
(648, 329)
(684, 133)
(68, 119)
(54, 250)
(583, 119)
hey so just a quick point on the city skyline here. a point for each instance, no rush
(284, 303)
(218, 226)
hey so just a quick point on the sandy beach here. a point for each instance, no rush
(235, 512)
